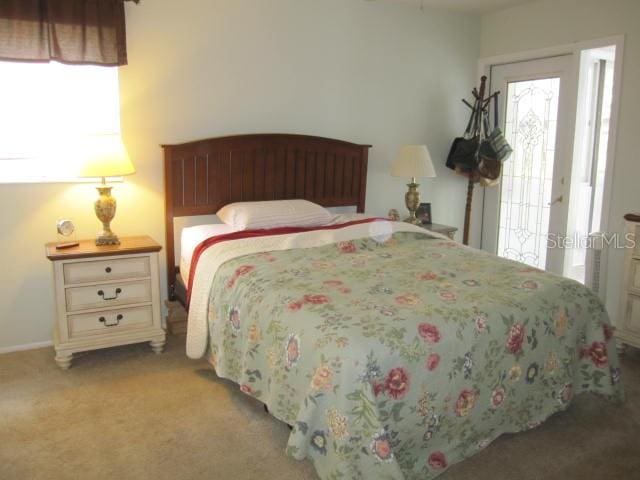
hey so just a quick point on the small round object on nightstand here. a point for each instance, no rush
(65, 227)
(393, 215)
(66, 230)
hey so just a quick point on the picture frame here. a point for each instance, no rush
(424, 213)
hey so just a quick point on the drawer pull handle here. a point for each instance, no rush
(108, 269)
(118, 292)
(106, 324)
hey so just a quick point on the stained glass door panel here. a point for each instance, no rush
(528, 207)
(527, 179)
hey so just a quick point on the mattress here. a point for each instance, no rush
(190, 237)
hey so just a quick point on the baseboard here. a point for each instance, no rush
(26, 346)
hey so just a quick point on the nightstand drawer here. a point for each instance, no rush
(107, 295)
(111, 321)
(99, 271)
(634, 277)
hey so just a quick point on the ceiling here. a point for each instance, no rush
(468, 6)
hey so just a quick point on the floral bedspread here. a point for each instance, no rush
(396, 358)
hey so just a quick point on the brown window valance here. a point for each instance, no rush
(68, 31)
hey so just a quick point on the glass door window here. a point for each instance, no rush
(527, 178)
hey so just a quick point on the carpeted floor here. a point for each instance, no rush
(125, 413)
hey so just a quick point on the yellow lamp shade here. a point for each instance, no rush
(413, 161)
(104, 156)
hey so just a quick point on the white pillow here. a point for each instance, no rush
(273, 214)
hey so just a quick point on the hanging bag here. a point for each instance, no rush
(489, 166)
(463, 153)
(497, 138)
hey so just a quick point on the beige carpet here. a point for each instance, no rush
(129, 414)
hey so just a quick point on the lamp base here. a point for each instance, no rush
(107, 239)
(412, 201)
(105, 208)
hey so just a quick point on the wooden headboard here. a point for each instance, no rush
(201, 177)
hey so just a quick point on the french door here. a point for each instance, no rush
(528, 209)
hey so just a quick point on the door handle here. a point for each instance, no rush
(557, 200)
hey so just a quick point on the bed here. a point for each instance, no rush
(392, 352)
(202, 176)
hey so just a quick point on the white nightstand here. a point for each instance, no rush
(106, 296)
(441, 229)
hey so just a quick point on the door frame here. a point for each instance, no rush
(484, 66)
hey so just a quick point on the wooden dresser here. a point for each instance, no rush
(628, 328)
(106, 296)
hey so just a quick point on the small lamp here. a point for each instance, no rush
(105, 156)
(413, 161)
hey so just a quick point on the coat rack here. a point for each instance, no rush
(478, 155)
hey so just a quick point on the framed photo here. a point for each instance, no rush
(424, 213)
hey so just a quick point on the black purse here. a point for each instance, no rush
(463, 155)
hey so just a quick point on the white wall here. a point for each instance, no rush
(371, 72)
(558, 22)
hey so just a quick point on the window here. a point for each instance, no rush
(593, 119)
(45, 108)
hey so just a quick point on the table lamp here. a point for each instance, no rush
(413, 161)
(105, 156)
